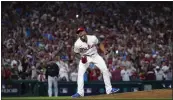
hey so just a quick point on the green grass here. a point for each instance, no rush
(69, 98)
(37, 98)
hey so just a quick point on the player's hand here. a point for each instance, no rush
(84, 59)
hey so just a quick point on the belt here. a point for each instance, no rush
(90, 55)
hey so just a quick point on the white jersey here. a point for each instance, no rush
(159, 74)
(125, 74)
(63, 67)
(88, 48)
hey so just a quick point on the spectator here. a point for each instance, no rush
(73, 76)
(3, 72)
(7, 73)
(33, 73)
(150, 75)
(165, 68)
(168, 74)
(125, 74)
(99, 74)
(63, 70)
(159, 74)
(41, 77)
(142, 75)
(93, 75)
(116, 74)
(13, 63)
(86, 76)
(134, 77)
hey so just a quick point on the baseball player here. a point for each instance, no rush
(86, 47)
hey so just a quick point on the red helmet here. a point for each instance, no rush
(80, 29)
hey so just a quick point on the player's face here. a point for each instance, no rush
(81, 34)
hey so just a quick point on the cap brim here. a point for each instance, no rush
(79, 31)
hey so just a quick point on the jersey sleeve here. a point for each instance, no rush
(76, 48)
(96, 41)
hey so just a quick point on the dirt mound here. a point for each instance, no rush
(161, 93)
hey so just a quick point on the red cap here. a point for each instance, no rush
(80, 29)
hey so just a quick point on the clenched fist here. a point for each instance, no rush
(84, 59)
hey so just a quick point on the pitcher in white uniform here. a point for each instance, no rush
(86, 47)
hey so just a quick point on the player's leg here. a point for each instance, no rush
(80, 80)
(50, 81)
(100, 63)
(55, 83)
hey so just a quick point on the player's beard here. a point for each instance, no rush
(84, 38)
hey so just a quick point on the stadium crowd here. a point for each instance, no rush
(136, 39)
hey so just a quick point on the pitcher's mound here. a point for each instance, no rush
(161, 93)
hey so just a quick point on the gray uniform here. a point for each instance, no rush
(52, 72)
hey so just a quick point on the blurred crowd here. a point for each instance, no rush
(136, 39)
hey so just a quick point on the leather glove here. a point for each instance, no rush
(84, 59)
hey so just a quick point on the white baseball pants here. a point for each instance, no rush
(100, 63)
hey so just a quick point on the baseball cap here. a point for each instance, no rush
(80, 29)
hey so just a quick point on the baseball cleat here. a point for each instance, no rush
(77, 95)
(114, 90)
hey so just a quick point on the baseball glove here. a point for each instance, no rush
(84, 59)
